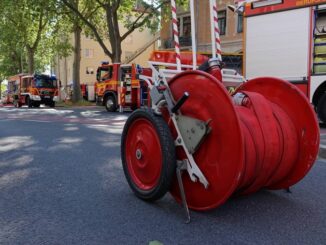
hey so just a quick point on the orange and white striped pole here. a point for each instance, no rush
(176, 34)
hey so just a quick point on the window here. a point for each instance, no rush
(45, 82)
(89, 53)
(240, 23)
(89, 70)
(184, 26)
(222, 21)
(104, 73)
(25, 83)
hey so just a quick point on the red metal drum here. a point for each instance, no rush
(221, 155)
(299, 127)
(270, 140)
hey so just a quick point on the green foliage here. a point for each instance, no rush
(34, 33)
(107, 17)
(3, 87)
(166, 13)
(30, 26)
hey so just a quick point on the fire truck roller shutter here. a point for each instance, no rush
(287, 55)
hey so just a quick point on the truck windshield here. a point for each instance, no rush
(104, 73)
(45, 83)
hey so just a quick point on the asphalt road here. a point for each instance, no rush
(61, 182)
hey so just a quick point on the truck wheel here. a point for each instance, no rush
(37, 104)
(321, 108)
(29, 102)
(110, 103)
(52, 104)
(148, 155)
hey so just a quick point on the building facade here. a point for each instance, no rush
(92, 55)
(230, 25)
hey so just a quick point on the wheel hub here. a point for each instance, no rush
(138, 154)
(109, 103)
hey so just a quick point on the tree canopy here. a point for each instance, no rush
(31, 34)
(34, 32)
(115, 20)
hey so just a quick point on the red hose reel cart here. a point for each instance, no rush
(203, 145)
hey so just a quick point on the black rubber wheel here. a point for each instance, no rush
(148, 155)
(110, 103)
(29, 102)
(37, 104)
(321, 108)
(52, 104)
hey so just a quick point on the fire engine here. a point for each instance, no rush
(287, 39)
(33, 90)
(120, 85)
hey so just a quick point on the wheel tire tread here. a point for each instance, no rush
(114, 106)
(168, 153)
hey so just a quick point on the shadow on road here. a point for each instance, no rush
(62, 183)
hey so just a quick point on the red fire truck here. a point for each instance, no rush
(33, 90)
(126, 85)
(119, 85)
(287, 39)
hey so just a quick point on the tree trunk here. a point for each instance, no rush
(115, 42)
(31, 60)
(0, 89)
(76, 68)
(117, 52)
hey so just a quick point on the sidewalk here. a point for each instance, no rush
(6, 105)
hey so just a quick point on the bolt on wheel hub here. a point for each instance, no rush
(138, 154)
